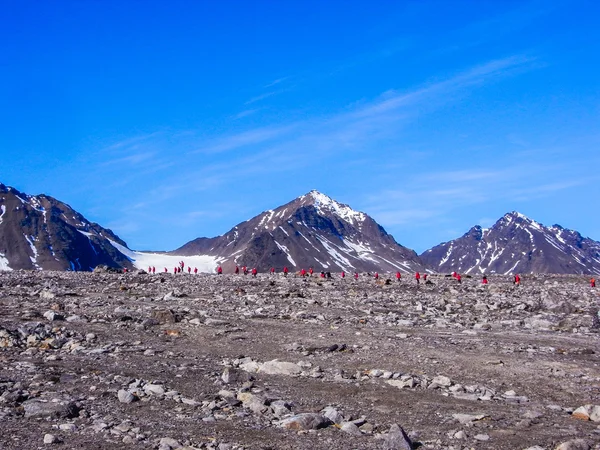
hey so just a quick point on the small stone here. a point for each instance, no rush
(469, 418)
(481, 437)
(154, 389)
(575, 444)
(582, 413)
(397, 439)
(125, 396)
(169, 443)
(350, 428)
(460, 435)
(306, 421)
(333, 415)
(276, 367)
(50, 439)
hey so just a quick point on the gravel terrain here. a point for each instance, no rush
(108, 361)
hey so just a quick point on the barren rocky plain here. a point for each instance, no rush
(108, 361)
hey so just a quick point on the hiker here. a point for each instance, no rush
(517, 280)
(302, 273)
(327, 274)
(398, 276)
(458, 278)
(254, 272)
(237, 270)
(285, 271)
(195, 270)
(272, 270)
(322, 275)
(593, 282)
(219, 270)
(166, 270)
(343, 274)
(153, 269)
(174, 269)
(149, 269)
(484, 280)
(376, 276)
(189, 269)
(453, 274)
(310, 271)
(244, 270)
(356, 275)
(418, 277)
(425, 277)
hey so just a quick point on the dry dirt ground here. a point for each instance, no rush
(109, 361)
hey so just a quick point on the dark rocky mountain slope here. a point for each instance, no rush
(40, 232)
(517, 244)
(311, 231)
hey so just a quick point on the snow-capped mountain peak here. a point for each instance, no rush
(516, 243)
(312, 230)
(326, 205)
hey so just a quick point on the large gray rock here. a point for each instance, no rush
(306, 421)
(125, 396)
(56, 410)
(276, 367)
(397, 439)
(575, 444)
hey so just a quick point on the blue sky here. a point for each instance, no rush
(166, 121)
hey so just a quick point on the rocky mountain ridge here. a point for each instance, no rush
(40, 232)
(516, 244)
(312, 230)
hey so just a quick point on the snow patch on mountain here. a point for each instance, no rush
(3, 211)
(285, 250)
(4, 262)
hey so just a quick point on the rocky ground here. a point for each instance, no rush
(102, 360)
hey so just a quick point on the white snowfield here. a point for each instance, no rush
(143, 260)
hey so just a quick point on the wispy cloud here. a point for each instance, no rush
(275, 82)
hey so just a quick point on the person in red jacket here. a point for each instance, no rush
(398, 276)
(303, 273)
(593, 282)
(376, 276)
(343, 274)
(244, 270)
(219, 270)
(418, 277)
(484, 280)
(453, 274)
(254, 272)
(153, 269)
(458, 278)
(285, 271)
(310, 271)
(189, 269)
(356, 275)
(195, 270)
(237, 270)
(166, 270)
(517, 280)
(425, 277)
(272, 270)
(174, 269)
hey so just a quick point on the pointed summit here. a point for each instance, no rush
(326, 205)
(312, 230)
(516, 243)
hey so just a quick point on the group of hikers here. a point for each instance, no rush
(181, 268)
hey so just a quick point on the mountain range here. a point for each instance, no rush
(313, 230)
